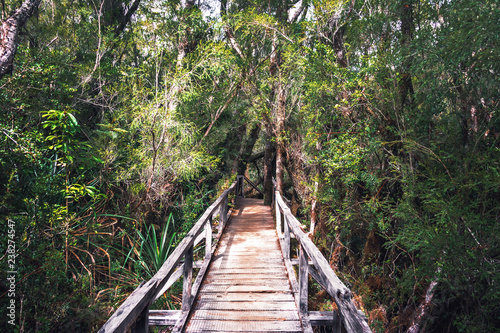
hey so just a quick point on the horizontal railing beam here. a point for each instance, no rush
(164, 317)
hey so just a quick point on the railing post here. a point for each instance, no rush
(188, 279)
(273, 200)
(337, 322)
(278, 219)
(223, 212)
(286, 239)
(239, 188)
(208, 238)
(303, 280)
(142, 323)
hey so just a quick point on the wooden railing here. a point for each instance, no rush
(134, 313)
(312, 262)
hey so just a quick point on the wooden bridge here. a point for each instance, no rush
(246, 281)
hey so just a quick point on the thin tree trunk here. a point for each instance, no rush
(406, 85)
(268, 172)
(280, 133)
(423, 308)
(9, 32)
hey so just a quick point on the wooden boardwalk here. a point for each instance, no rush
(248, 284)
(247, 287)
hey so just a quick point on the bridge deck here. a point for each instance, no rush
(246, 288)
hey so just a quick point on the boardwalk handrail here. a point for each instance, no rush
(134, 312)
(352, 319)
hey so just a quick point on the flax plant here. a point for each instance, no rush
(154, 249)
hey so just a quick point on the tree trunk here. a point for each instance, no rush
(183, 48)
(280, 133)
(268, 172)
(125, 19)
(406, 85)
(9, 32)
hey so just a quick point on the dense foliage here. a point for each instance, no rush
(122, 120)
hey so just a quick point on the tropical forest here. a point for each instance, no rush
(377, 121)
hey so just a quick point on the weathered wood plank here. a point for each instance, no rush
(324, 318)
(244, 325)
(247, 297)
(245, 306)
(256, 281)
(254, 315)
(232, 288)
(164, 317)
(250, 270)
(240, 277)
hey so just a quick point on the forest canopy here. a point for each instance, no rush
(122, 120)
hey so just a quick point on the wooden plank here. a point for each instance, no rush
(163, 317)
(239, 264)
(245, 306)
(324, 318)
(257, 281)
(240, 277)
(271, 256)
(247, 297)
(231, 288)
(250, 270)
(246, 331)
(246, 326)
(254, 315)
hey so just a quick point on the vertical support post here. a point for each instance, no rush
(273, 202)
(142, 323)
(278, 219)
(240, 191)
(303, 280)
(286, 239)
(223, 213)
(208, 238)
(188, 279)
(337, 323)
